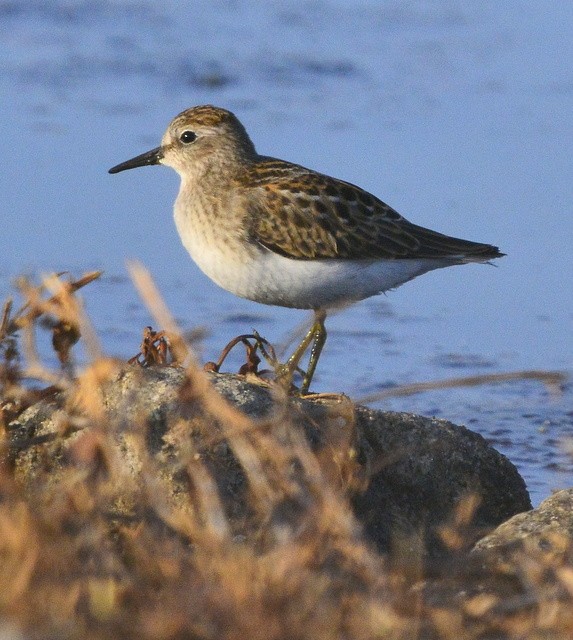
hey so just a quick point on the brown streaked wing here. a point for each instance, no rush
(306, 215)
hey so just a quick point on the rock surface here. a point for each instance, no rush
(549, 526)
(410, 480)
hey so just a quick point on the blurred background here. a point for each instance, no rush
(456, 113)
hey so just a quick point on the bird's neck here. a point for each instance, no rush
(215, 173)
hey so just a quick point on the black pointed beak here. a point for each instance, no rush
(150, 157)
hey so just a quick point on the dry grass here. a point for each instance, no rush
(68, 569)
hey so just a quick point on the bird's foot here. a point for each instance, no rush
(284, 376)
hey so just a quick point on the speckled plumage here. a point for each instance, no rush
(282, 234)
(306, 215)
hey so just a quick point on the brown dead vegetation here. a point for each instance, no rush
(70, 570)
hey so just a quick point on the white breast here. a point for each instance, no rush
(251, 271)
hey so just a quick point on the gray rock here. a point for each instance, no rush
(409, 479)
(548, 527)
(427, 470)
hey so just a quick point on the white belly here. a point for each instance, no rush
(259, 274)
(269, 278)
(307, 284)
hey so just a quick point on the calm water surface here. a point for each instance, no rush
(456, 113)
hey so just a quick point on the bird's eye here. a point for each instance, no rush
(187, 137)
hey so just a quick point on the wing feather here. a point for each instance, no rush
(305, 215)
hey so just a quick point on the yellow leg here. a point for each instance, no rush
(319, 333)
(317, 336)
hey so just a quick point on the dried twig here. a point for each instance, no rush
(553, 379)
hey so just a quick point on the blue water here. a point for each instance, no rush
(458, 114)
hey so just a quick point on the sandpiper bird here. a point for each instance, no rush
(282, 234)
